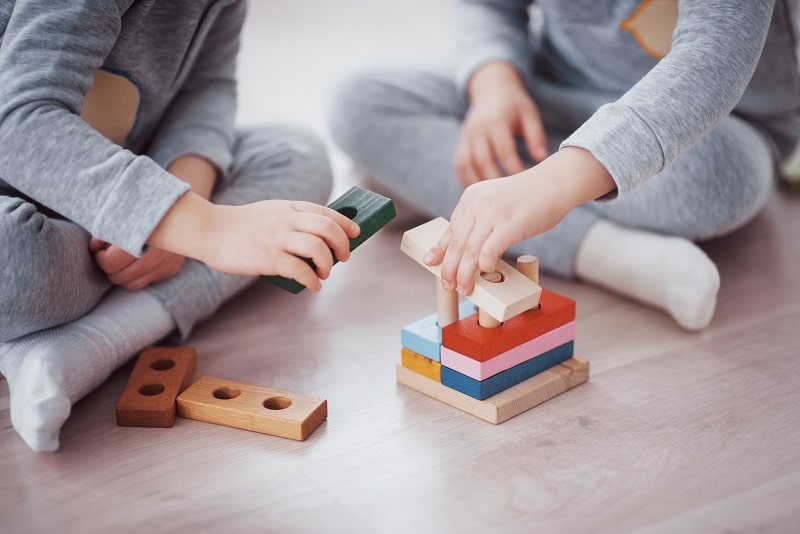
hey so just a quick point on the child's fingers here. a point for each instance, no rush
(468, 264)
(96, 245)
(324, 228)
(304, 245)
(291, 266)
(346, 224)
(113, 259)
(484, 161)
(534, 135)
(505, 149)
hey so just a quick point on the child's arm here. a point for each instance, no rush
(493, 214)
(264, 238)
(134, 273)
(623, 144)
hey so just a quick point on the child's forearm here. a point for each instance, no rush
(581, 178)
(196, 171)
(186, 227)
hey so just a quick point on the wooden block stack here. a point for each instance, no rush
(507, 349)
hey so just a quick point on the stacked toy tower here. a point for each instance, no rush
(505, 350)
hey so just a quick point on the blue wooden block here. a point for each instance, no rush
(425, 337)
(483, 389)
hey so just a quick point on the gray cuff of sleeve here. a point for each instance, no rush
(141, 198)
(623, 142)
(201, 142)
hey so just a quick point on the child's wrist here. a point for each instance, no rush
(185, 227)
(493, 75)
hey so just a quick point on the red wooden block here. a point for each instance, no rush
(467, 337)
(159, 376)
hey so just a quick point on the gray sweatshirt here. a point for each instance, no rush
(645, 79)
(98, 97)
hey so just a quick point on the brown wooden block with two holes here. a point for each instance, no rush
(158, 377)
(258, 409)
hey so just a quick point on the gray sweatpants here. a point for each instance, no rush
(402, 126)
(50, 278)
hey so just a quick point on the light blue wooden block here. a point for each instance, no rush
(424, 336)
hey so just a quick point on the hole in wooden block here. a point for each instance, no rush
(348, 211)
(277, 403)
(151, 389)
(495, 277)
(162, 364)
(225, 393)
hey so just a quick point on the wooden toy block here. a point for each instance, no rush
(467, 337)
(424, 336)
(369, 210)
(506, 404)
(530, 349)
(248, 407)
(159, 375)
(420, 364)
(502, 300)
(483, 389)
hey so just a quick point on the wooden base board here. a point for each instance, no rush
(506, 404)
(239, 405)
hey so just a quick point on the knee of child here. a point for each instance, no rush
(297, 152)
(351, 103)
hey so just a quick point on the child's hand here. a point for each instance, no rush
(500, 111)
(493, 214)
(264, 238)
(131, 272)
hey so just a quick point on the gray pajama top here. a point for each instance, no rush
(663, 72)
(98, 97)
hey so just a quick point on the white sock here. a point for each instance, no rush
(48, 371)
(666, 272)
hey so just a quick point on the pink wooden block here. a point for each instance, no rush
(508, 359)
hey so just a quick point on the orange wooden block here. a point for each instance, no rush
(239, 405)
(158, 377)
(420, 364)
(467, 337)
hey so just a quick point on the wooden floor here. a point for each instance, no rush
(675, 431)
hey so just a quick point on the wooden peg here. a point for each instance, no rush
(446, 305)
(484, 319)
(529, 266)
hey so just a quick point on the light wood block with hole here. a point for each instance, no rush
(506, 404)
(158, 377)
(502, 300)
(248, 407)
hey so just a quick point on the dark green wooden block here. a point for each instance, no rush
(369, 210)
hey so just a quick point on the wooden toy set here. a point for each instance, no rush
(158, 389)
(506, 349)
